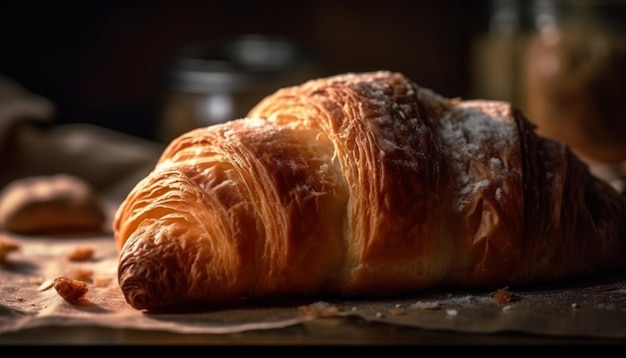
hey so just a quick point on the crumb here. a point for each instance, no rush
(504, 296)
(80, 273)
(71, 290)
(319, 309)
(80, 253)
(575, 305)
(6, 246)
(397, 312)
(452, 312)
(100, 282)
(36, 280)
(426, 306)
(379, 315)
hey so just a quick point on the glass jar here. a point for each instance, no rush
(215, 83)
(573, 77)
(496, 52)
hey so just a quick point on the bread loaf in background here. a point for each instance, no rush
(51, 205)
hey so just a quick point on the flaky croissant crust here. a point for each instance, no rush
(362, 184)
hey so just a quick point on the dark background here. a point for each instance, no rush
(104, 62)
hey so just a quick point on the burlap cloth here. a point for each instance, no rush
(113, 162)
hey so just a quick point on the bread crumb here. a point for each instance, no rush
(101, 282)
(36, 280)
(397, 312)
(319, 309)
(426, 306)
(81, 253)
(6, 246)
(71, 290)
(80, 273)
(503, 296)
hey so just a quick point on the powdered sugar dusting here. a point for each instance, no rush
(472, 130)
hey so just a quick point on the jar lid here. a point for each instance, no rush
(236, 64)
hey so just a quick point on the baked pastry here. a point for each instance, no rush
(362, 184)
(59, 204)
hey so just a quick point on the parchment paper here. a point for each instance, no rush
(591, 308)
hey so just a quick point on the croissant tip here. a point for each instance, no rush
(139, 290)
(137, 296)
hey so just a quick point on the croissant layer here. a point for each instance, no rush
(362, 184)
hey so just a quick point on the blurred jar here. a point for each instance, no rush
(497, 51)
(211, 84)
(573, 77)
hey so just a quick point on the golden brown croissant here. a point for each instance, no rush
(362, 184)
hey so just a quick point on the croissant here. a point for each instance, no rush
(362, 184)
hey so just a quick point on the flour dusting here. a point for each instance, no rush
(470, 131)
